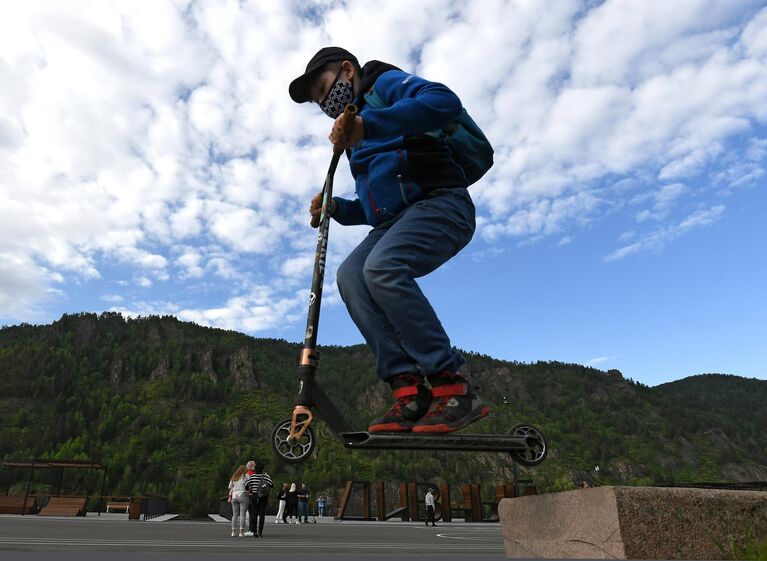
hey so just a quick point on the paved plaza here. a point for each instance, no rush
(33, 537)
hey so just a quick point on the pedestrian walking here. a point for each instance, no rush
(430, 507)
(238, 497)
(259, 486)
(249, 470)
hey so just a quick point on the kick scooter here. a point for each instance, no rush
(293, 439)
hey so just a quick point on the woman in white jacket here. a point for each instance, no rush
(239, 499)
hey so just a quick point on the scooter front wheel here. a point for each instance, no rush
(290, 450)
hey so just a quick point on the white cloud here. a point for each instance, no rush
(665, 199)
(660, 237)
(141, 258)
(545, 217)
(757, 149)
(701, 218)
(635, 90)
(190, 261)
(161, 137)
(298, 266)
(755, 35)
(489, 253)
(646, 38)
(597, 360)
(626, 236)
(260, 309)
(143, 281)
(22, 286)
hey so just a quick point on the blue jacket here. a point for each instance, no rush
(397, 164)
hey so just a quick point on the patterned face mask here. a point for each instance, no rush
(340, 94)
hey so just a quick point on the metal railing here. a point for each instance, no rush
(152, 506)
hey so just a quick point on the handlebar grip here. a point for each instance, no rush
(315, 221)
(347, 123)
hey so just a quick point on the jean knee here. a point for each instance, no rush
(383, 274)
(348, 275)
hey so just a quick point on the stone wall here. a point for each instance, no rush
(631, 523)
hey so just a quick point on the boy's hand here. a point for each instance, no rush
(315, 209)
(340, 140)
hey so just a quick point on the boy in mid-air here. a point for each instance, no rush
(414, 195)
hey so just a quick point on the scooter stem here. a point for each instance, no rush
(309, 356)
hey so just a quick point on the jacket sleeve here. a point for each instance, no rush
(349, 213)
(413, 106)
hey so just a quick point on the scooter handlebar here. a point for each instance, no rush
(347, 124)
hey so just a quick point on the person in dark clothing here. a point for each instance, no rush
(250, 467)
(430, 507)
(259, 486)
(292, 504)
(303, 504)
(282, 511)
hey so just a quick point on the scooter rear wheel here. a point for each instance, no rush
(536, 446)
(292, 451)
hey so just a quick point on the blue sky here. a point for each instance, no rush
(152, 162)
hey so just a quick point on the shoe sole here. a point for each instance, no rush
(390, 427)
(444, 428)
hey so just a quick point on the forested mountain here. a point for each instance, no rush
(172, 408)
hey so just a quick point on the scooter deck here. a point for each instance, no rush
(414, 441)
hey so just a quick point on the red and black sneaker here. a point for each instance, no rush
(412, 402)
(454, 405)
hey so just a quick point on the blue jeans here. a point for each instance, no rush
(377, 283)
(303, 511)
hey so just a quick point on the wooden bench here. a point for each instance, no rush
(14, 504)
(64, 506)
(118, 505)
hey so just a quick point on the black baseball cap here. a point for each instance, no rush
(299, 88)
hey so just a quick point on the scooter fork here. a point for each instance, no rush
(302, 416)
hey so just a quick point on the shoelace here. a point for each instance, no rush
(404, 396)
(396, 406)
(440, 406)
(400, 403)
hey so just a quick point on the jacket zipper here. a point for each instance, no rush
(370, 196)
